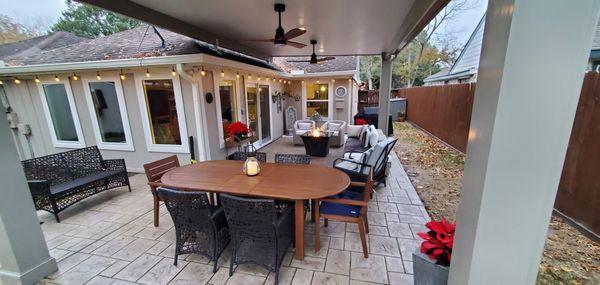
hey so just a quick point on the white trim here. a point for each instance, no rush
(199, 116)
(80, 143)
(128, 145)
(216, 80)
(152, 147)
(322, 74)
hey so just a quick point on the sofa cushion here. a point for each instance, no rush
(339, 209)
(354, 144)
(304, 126)
(354, 131)
(55, 189)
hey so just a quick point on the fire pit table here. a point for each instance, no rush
(316, 143)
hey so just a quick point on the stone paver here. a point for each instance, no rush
(110, 239)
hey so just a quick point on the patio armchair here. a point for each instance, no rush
(199, 227)
(338, 132)
(260, 234)
(301, 127)
(376, 158)
(350, 206)
(154, 172)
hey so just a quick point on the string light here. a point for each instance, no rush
(302, 82)
(202, 72)
(37, 79)
(98, 75)
(17, 81)
(75, 77)
(279, 80)
(147, 72)
(349, 79)
(317, 81)
(289, 82)
(222, 73)
(237, 75)
(56, 78)
(267, 78)
(332, 80)
(173, 72)
(258, 78)
(122, 75)
(1, 82)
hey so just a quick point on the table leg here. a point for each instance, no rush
(299, 229)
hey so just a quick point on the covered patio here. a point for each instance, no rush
(514, 156)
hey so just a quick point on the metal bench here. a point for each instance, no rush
(60, 180)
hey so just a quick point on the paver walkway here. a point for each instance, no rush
(110, 239)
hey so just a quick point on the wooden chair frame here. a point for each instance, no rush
(154, 172)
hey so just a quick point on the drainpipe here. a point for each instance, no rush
(199, 114)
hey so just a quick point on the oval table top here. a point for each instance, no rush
(279, 181)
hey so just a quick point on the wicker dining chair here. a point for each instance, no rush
(240, 155)
(260, 235)
(154, 172)
(292, 158)
(199, 227)
(350, 206)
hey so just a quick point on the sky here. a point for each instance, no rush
(39, 15)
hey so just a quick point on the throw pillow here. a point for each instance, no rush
(355, 130)
(304, 126)
(382, 136)
(363, 134)
(367, 136)
(373, 138)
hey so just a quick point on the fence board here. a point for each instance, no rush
(445, 112)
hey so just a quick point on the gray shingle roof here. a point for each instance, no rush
(129, 44)
(39, 44)
(340, 63)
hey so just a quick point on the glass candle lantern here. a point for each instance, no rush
(251, 166)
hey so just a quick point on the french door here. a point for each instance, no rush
(259, 113)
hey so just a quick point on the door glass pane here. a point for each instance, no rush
(108, 114)
(265, 107)
(162, 111)
(252, 111)
(228, 104)
(60, 112)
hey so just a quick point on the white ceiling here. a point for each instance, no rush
(342, 27)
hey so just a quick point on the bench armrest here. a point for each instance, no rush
(39, 187)
(115, 164)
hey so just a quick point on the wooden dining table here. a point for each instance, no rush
(293, 182)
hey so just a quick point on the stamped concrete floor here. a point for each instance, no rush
(110, 239)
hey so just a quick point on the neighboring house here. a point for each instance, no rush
(464, 69)
(140, 94)
(39, 44)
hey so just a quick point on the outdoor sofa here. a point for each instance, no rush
(59, 180)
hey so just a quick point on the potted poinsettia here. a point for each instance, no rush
(237, 131)
(431, 264)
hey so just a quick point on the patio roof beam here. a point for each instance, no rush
(145, 14)
(532, 66)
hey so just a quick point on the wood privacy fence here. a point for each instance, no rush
(445, 112)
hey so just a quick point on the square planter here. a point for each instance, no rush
(426, 272)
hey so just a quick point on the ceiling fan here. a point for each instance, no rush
(281, 37)
(313, 56)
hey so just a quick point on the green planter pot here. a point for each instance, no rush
(426, 272)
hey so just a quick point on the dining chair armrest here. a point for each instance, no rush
(346, 202)
(360, 184)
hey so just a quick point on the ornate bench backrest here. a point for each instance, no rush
(63, 167)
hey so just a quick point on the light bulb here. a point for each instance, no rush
(37, 79)
(147, 73)
(249, 76)
(98, 75)
(237, 75)
(56, 78)
(75, 77)
(122, 75)
(202, 72)
(1, 82)
(332, 80)
(222, 73)
(173, 72)
(17, 81)
(258, 78)
(302, 82)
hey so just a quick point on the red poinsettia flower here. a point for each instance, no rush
(360, 121)
(237, 130)
(438, 241)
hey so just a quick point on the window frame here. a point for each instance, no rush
(128, 145)
(329, 99)
(217, 78)
(80, 143)
(139, 78)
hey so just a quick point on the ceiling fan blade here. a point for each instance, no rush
(293, 33)
(296, 44)
(325, 58)
(257, 40)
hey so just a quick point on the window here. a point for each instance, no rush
(228, 103)
(61, 114)
(162, 113)
(109, 114)
(317, 99)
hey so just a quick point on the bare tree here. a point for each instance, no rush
(11, 31)
(431, 33)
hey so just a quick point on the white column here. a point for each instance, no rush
(24, 257)
(530, 74)
(385, 87)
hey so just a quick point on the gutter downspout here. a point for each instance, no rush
(199, 114)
